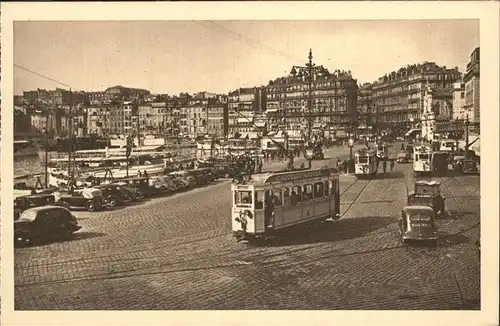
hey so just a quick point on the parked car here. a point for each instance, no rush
(89, 198)
(187, 176)
(113, 195)
(140, 184)
(44, 222)
(417, 224)
(225, 171)
(132, 193)
(182, 184)
(23, 203)
(207, 174)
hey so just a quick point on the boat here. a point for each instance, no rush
(24, 148)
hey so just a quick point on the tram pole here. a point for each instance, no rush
(47, 149)
(70, 132)
(466, 135)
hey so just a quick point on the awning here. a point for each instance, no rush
(271, 110)
(244, 120)
(260, 124)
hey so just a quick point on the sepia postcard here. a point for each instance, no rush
(236, 163)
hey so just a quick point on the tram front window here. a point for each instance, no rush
(362, 159)
(243, 197)
(424, 157)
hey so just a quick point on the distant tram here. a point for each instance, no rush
(365, 163)
(269, 202)
(422, 156)
(382, 151)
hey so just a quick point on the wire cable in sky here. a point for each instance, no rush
(46, 77)
(240, 37)
(247, 39)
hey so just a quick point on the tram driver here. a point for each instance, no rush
(269, 209)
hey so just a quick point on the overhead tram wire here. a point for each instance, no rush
(47, 77)
(249, 40)
(240, 37)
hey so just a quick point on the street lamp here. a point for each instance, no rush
(350, 143)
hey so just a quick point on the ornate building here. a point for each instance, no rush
(333, 99)
(399, 96)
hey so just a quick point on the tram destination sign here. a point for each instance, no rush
(299, 175)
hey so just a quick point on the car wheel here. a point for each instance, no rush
(91, 206)
(112, 201)
(21, 239)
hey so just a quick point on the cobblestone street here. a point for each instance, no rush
(177, 252)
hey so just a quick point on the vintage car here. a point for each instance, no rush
(469, 167)
(114, 195)
(140, 184)
(417, 224)
(23, 203)
(225, 171)
(89, 198)
(207, 173)
(427, 193)
(403, 157)
(44, 222)
(188, 176)
(181, 184)
(315, 153)
(132, 193)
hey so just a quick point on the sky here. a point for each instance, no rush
(221, 56)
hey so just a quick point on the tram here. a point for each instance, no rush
(266, 203)
(422, 160)
(366, 163)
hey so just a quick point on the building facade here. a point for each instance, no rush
(398, 97)
(217, 119)
(459, 101)
(152, 118)
(365, 105)
(472, 89)
(333, 100)
(124, 120)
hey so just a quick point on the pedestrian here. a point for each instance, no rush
(392, 165)
(384, 166)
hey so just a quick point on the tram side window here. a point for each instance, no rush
(242, 197)
(296, 195)
(318, 190)
(308, 192)
(286, 196)
(278, 201)
(327, 188)
(259, 200)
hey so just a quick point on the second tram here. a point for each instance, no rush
(366, 163)
(268, 202)
(422, 156)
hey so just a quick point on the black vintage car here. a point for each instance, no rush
(140, 184)
(225, 171)
(23, 203)
(89, 198)
(113, 194)
(42, 223)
